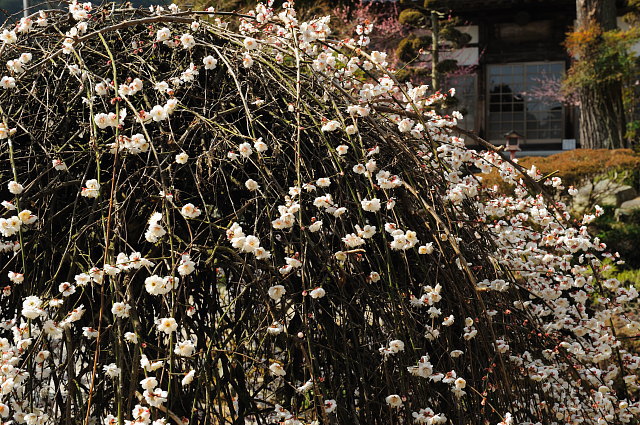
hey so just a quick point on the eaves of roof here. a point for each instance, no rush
(513, 4)
(501, 4)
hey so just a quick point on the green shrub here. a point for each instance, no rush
(621, 237)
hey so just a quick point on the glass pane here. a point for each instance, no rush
(532, 125)
(554, 115)
(535, 115)
(556, 68)
(555, 125)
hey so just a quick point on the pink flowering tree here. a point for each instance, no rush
(208, 226)
(351, 18)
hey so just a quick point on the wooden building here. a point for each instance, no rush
(516, 47)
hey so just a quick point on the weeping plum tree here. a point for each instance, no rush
(214, 226)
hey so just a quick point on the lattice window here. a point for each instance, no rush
(512, 105)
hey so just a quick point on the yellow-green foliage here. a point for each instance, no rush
(578, 165)
(412, 17)
(604, 55)
(457, 38)
(629, 276)
(409, 48)
(446, 66)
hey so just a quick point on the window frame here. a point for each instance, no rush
(524, 78)
(468, 122)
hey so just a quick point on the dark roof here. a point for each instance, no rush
(501, 4)
(464, 5)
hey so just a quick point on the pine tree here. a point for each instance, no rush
(434, 32)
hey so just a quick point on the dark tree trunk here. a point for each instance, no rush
(602, 116)
(602, 120)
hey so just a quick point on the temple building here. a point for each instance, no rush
(512, 70)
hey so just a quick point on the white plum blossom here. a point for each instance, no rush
(156, 398)
(307, 386)
(209, 62)
(276, 292)
(111, 370)
(252, 185)
(182, 158)
(245, 149)
(31, 307)
(330, 406)
(371, 205)
(315, 226)
(426, 249)
(275, 328)
(396, 346)
(158, 113)
(91, 189)
(250, 43)
(405, 125)
(188, 378)
(8, 37)
(187, 266)
(155, 230)
(330, 126)
(323, 182)
(167, 325)
(7, 82)
(277, 369)
(247, 60)
(394, 400)
(15, 187)
(190, 211)
(120, 310)
(260, 146)
(163, 34)
(131, 337)
(352, 240)
(185, 348)
(149, 383)
(187, 41)
(317, 293)
(15, 277)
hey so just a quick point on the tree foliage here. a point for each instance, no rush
(437, 34)
(603, 64)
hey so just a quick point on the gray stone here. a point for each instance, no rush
(604, 192)
(633, 204)
(627, 208)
